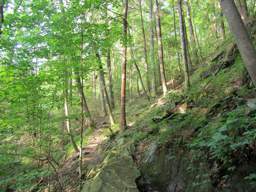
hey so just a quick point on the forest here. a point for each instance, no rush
(127, 96)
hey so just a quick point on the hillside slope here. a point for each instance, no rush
(200, 140)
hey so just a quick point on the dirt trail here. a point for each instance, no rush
(68, 174)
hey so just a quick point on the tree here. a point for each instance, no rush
(123, 124)
(242, 37)
(83, 98)
(138, 70)
(160, 49)
(176, 35)
(152, 50)
(222, 25)
(243, 9)
(184, 45)
(1, 14)
(67, 119)
(192, 31)
(104, 90)
(144, 45)
(110, 79)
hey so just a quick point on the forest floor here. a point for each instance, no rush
(67, 178)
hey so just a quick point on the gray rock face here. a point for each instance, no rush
(116, 174)
(167, 170)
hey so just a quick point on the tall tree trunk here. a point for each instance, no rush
(1, 15)
(157, 59)
(190, 67)
(222, 25)
(104, 89)
(123, 124)
(139, 73)
(184, 44)
(82, 96)
(161, 49)
(67, 121)
(215, 21)
(192, 31)
(242, 38)
(152, 51)
(81, 141)
(102, 98)
(110, 79)
(243, 9)
(138, 86)
(70, 87)
(144, 46)
(176, 36)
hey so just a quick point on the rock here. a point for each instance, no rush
(251, 103)
(165, 169)
(118, 173)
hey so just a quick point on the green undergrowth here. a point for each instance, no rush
(203, 94)
(224, 141)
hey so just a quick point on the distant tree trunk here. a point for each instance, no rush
(187, 44)
(161, 49)
(82, 96)
(81, 141)
(190, 22)
(123, 124)
(104, 89)
(157, 59)
(184, 45)
(1, 15)
(139, 73)
(242, 38)
(94, 83)
(152, 50)
(102, 97)
(176, 36)
(138, 86)
(192, 31)
(253, 7)
(145, 46)
(222, 25)
(130, 81)
(110, 85)
(243, 9)
(70, 87)
(67, 121)
(215, 21)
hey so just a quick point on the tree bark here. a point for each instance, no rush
(176, 36)
(123, 124)
(139, 73)
(144, 46)
(184, 45)
(243, 9)
(242, 38)
(102, 97)
(1, 15)
(192, 31)
(222, 25)
(67, 121)
(82, 96)
(161, 49)
(104, 89)
(110, 78)
(152, 50)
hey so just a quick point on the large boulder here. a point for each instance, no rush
(117, 173)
